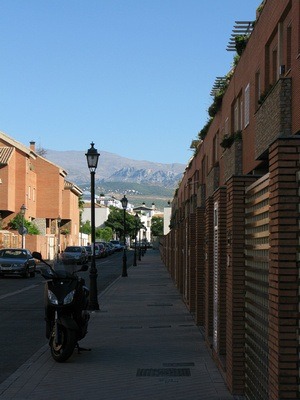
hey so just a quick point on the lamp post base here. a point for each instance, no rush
(93, 299)
(124, 270)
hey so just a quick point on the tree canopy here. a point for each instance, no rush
(157, 226)
(18, 221)
(115, 221)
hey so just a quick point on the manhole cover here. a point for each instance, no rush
(158, 372)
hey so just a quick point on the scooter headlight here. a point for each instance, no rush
(69, 297)
(52, 298)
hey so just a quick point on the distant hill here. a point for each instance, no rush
(115, 168)
(141, 181)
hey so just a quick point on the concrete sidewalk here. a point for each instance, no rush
(144, 345)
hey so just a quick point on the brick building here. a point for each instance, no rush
(233, 247)
(51, 201)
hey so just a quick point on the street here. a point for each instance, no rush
(22, 327)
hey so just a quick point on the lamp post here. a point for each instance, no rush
(22, 212)
(145, 240)
(92, 157)
(124, 202)
(140, 244)
(136, 218)
(58, 236)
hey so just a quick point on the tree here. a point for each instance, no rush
(18, 221)
(157, 226)
(115, 221)
(86, 228)
(105, 234)
(41, 151)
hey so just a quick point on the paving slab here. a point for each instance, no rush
(144, 345)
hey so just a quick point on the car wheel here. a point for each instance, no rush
(26, 274)
(32, 274)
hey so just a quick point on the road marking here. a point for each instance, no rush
(18, 291)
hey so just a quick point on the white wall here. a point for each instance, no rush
(167, 219)
(101, 215)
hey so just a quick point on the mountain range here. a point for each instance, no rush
(115, 168)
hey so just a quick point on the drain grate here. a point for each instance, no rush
(158, 372)
(179, 364)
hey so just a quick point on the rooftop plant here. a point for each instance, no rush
(230, 138)
(240, 43)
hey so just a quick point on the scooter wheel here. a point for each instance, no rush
(63, 350)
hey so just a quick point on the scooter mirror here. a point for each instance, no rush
(37, 255)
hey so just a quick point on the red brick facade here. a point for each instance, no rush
(238, 249)
(29, 179)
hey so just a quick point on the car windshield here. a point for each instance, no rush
(13, 254)
(73, 249)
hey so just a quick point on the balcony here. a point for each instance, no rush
(273, 117)
(233, 160)
(212, 181)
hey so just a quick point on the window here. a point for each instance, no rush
(203, 169)
(247, 106)
(237, 121)
(289, 48)
(257, 87)
(215, 148)
(236, 116)
(226, 126)
(274, 66)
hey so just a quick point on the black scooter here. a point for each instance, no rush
(66, 303)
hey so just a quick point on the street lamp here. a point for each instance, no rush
(140, 245)
(92, 157)
(124, 202)
(145, 240)
(136, 219)
(22, 212)
(58, 237)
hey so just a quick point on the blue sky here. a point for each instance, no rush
(134, 76)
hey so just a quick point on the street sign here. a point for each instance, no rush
(22, 230)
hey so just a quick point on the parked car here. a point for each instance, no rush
(75, 253)
(17, 262)
(117, 245)
(89, 251)
(110, 248)
(103, 249)
(98, 251)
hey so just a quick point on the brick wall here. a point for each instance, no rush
(233, 160)
(192, 236)
(208, 271)
(200, 259)
(220, 199)
(284, 270)
(213, 179)
(274, 117)
(235, 283)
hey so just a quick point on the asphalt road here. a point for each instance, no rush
(22, 326)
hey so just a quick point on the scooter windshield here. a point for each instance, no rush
(66, 269)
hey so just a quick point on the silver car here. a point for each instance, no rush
(17, 262)
(78, 254)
